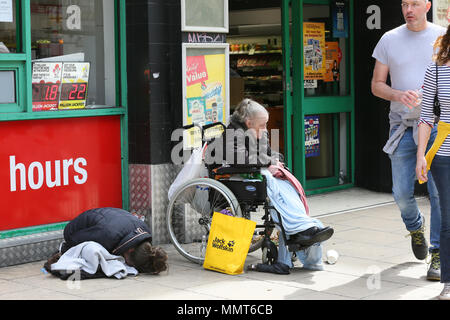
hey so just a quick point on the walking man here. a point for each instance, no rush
(404, 54)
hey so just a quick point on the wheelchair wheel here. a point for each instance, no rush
(190, 211)
(260, 231)
(269, 252)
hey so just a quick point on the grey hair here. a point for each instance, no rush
(248, 109)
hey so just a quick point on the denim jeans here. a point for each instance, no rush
(311, 258)
(440, 168)
(403, 162)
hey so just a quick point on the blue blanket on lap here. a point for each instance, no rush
(286, 200)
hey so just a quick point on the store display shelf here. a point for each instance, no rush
(264, 92)
(250, 52)
(261, 81)
(259, 68)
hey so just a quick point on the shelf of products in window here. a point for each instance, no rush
(255, 52)
(263, 79)
(268, 97)
(264, 86)
(254, 48)
(259, 62)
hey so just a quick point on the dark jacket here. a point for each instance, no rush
(245, 148)
(115, 229)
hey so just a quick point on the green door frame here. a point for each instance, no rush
(22, 110)
(297, 106)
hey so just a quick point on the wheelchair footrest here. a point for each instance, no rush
(292, 247)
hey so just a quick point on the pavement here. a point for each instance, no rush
(375, 263)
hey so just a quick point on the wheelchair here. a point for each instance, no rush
(190, 210)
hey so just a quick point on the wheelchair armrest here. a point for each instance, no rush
(237, 169)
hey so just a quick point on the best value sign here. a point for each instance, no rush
(52, 170)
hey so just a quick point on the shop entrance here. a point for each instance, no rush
(295, 57)
(256, 58)
(323, 109)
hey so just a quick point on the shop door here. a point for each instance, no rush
(319, 92)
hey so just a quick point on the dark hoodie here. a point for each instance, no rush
(115, 229)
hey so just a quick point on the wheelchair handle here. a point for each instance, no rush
(205, 127)
(191, 126)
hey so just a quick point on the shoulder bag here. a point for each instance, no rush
(436, 104)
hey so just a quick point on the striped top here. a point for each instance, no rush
(429, 91)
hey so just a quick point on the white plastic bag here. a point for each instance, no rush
(193, 168)
(200, 200)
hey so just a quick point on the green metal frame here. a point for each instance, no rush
(22, 109)
(297, 106)
(17, 67)
(287, 81)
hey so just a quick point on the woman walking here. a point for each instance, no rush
(436, 102)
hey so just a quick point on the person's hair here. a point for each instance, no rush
(248, 109)
(149, 259)
(442, 45)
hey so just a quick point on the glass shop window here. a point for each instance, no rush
(8, 27)
(327, 57)
(8, 87)
(73, 54)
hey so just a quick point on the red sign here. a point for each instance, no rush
(196, 70)
(52, 170)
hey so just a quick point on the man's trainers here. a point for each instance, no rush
(434, 272)
(419, 243)
(445, 294)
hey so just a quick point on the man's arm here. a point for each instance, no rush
(382, 90)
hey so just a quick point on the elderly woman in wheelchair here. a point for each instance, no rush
(244, 174)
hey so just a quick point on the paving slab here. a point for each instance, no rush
(375, 263)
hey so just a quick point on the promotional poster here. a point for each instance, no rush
(312, 139)
(332, 62)
(340, 19)
(314, 50)
(441, 12)
(205, 89)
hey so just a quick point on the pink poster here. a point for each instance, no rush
(196, 70)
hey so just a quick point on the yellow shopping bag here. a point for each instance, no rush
(228, 243)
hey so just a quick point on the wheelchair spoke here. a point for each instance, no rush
(190, 212)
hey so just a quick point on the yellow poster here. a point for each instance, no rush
(205, 89)
(332, 61)
(314, 50)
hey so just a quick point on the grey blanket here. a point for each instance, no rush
(88, 257)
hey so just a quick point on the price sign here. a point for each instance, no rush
(58, 85)
(75, 77)
(73, 91)
(46, 92)
(46, 80)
